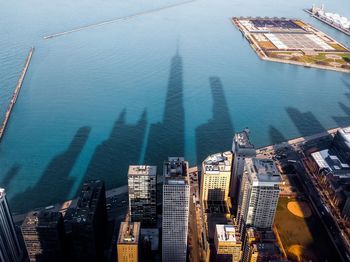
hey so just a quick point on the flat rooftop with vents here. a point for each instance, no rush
(129, 233)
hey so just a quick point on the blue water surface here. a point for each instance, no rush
(179, 81)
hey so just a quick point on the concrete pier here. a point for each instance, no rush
(116, 20)
(15, 93)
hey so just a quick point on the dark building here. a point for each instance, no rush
(43, 234)
(86, 224)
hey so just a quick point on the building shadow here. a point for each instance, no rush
(167, 138)
(113, 156)
(215, 135)
(10, 174)
(306, 123)
(343, 121)
(276, 136)
(55, 184)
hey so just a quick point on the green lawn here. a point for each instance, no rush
(307, 232)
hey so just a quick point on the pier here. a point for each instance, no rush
(324, 20)
(116, 20)
(15, 93)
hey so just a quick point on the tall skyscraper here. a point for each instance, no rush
(10, 250)
(227, 243)
(43, 235)
(128, 242)
(88, 223)
(242, 148)
(176, 195)
(216, 174)
(258, 194)
(142, 182)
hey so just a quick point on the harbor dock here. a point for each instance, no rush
(15, 93)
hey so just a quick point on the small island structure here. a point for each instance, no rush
(293, 41)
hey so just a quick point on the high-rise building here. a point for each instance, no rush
(258, 194)
(216, 174)
(142, 182)
(10, 250)
(242, 148)
(228, 243)
(128, 242)
(43, 235)
(88, 223)
(176, 195)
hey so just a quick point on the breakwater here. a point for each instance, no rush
(15, 94)
(116, 19)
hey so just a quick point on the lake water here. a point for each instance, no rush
(179, 81)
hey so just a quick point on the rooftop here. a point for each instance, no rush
(88, 200)
(242, 139)
(325, 160)
(2, 192)
(175, 171)
(47, 217)
(218, 162)
(227, 233)
(152, 235)
(262, 170)
(345, 133)
(129, 233)
(142, 170)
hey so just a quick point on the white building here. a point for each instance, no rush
(142, 182)
(10, 250)
(176, 195)
(258, 194)
(241, 148)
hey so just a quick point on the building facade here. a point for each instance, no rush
(242, 148)
(10, 249)
(128, 242)
(88, 223)
(216, 175)
(259, 194)
(176, 196)
(142, 182)
(43, 235)
(227, 243)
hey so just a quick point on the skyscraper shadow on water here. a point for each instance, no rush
(167, 137)
(215, 135)
(10, 175)
(55, 184)
(306, 123)
(343, 121)
(113, 156)
(276, 136)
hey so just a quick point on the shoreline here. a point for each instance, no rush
(117, 191)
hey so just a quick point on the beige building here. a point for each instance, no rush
(216, 173)
(128, 242)
(227, 243)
